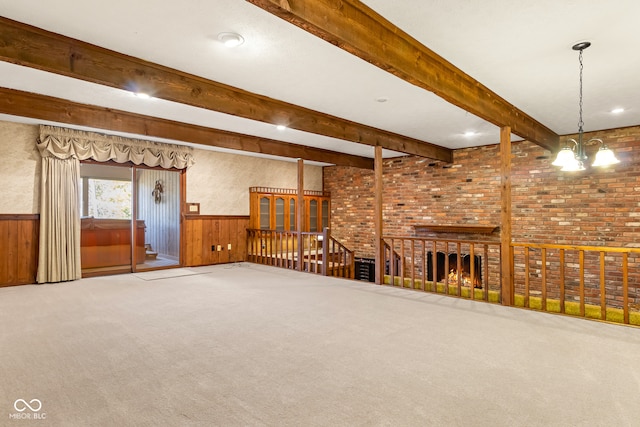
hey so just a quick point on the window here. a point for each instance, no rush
(279, 213)
(265, 213)
(313, 215)
(325, 213)
(105, 191)
(292, 214)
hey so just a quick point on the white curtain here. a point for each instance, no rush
(61, 150)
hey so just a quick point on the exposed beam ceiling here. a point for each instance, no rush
(42, 107)
(356, 28)
(33, 47)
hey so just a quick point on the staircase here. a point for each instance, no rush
(149, 252)
(311, 252)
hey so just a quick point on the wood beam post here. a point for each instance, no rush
(25, 104)
(300, 214)
(378, 215)
(34, 47)
(356, 28)
(505, 228)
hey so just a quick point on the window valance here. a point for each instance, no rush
(63, 143)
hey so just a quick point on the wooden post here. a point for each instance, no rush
(377, 217)
(300, 214)
(505, 228)
(325, 251)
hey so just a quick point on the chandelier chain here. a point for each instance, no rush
(580, 122)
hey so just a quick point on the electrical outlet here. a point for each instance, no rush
(229, 246)
(213, 248)
(219, 247)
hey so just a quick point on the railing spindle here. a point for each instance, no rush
(526, 277)
(582, 301)
(472, 267)
(402, 266)
(459, 267)
(413, 264)
(424, 266)
(543, 257)
(446, 268)
(392, 264)
(434, 258)
(562, 288)
(486, 272)
(625, 287)
(603, 295)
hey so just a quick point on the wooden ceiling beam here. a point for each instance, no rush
(41, 107)
(29, 46)
(356, 28)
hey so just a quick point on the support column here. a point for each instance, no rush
(505, 220)
(378, 215)
(300, 214)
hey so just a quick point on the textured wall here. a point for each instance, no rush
(19, 169)
(220, 182)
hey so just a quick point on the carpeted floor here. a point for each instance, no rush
(248, 345)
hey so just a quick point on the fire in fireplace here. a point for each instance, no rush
(464, 275)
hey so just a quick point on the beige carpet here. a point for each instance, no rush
(247, 345)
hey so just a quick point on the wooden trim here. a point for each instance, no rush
(377, 217)
(359, 30)
(577, 248)
(289, 191)
(43, 107)
(37, 48)
(19, 217)
(471, 229)
(507, 297)
(188, 217)
(300, 213)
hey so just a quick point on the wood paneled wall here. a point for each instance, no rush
(19, 236)
(207, 239)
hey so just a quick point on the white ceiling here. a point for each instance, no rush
(520, 50)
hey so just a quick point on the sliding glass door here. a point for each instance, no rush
(111, 196)
(106, 206)
(157, 194)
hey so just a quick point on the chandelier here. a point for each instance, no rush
(573, 157)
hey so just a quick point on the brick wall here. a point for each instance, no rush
(594, 207)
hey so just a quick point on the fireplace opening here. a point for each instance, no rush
(453, 274)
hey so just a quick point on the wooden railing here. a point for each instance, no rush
(290, 191)
(589, 281)
(469, 269)
(339, 260)
(306, 251)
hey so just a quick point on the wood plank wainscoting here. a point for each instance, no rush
(19, 236)
(207, 239)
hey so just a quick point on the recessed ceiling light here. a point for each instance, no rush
(281, 127)
(231, 39)
(142, 95)
(617, 110)
(469, 133)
